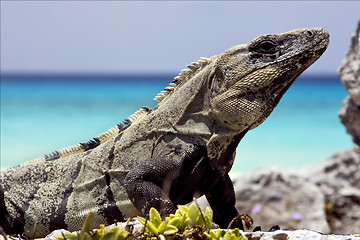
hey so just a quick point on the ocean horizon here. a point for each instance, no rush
(44, 113)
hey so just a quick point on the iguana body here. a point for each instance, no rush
(165, 156)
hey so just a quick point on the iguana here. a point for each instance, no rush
(182, 148)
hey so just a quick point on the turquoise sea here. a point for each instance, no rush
(40, 114)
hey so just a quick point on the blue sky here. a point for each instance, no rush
(155, 37)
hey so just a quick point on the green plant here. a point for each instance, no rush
(186, 221)
(115, 233)
(183, 217)
(222, 234)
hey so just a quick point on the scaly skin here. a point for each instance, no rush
(183, 148)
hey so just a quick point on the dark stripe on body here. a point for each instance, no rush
(109, 210)
(58, 212)
(17, 226)
(3, 211)
(111, 156)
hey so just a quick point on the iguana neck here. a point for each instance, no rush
(191, 102)
(188, 108)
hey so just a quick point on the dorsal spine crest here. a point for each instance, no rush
(184, 75)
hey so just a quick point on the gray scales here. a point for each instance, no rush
(161, 157)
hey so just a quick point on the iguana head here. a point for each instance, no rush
(250, 80)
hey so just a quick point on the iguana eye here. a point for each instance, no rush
(267, 46)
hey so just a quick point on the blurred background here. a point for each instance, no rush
(71, 70)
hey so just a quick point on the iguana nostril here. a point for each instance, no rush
(309, 33)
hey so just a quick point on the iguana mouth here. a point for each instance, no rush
(302, 61)
(302, 57)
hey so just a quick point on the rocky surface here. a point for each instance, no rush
(349, 73)
(339, 181)
(278, 235)
(272, 196)
(324, 197)
(296, 235)
(275, 235)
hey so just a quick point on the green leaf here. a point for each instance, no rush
(238, 234)
(207, 216)
(155, 217)
(214, 235)
(68, 236)
(152, 230)
(222, 232)
(141, 220)
(98, 233)
(182, 210)
(86, 228)
(115, 233)
(228, 236)
(199, 220)
(174, 221)
(170, 230)
(236, 231)
(162, 226)
(184, 221)
(193, 214)
(208, 236)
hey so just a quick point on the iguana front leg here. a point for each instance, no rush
(221, 198)
(163, 184)
(144, 185)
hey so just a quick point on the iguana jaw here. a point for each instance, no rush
(283, 83)
(255, 92)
